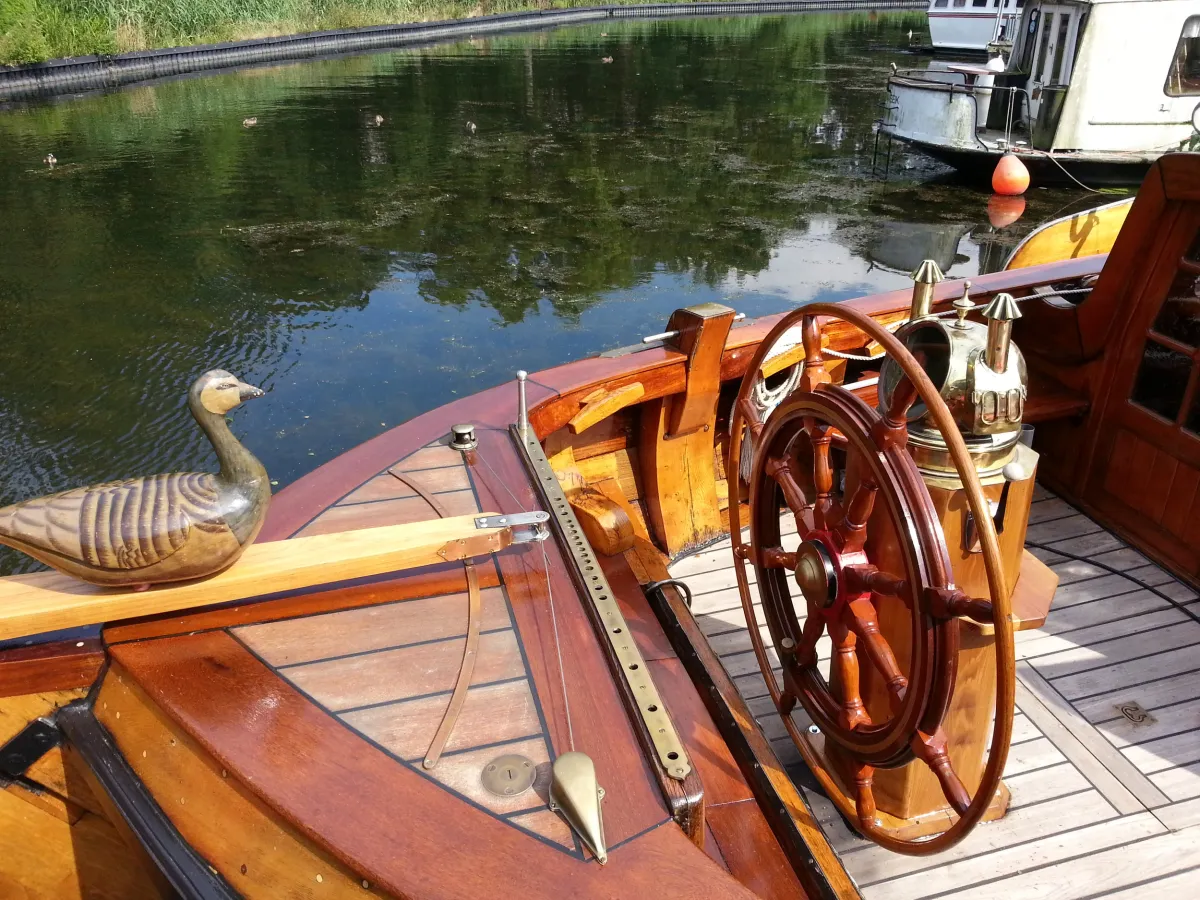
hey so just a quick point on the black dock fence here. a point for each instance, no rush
(91, 73)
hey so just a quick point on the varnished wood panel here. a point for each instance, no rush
(751, 852)
(293, 641)
(462, 772)
(435, 457)
(61, 665)
(391, 675)
(723, 781)
(1182, 509)
(252, 848)
(396, 827)
(1070, 237)
(1148, 479)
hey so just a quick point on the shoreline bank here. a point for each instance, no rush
(100, 72)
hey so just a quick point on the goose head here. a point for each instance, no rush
(218, 392)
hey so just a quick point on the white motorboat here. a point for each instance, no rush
(1092, 89)
(972, 24)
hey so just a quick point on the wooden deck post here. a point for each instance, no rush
(677, 462)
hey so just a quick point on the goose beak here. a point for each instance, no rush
(250, 392)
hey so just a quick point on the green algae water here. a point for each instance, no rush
(371, 237)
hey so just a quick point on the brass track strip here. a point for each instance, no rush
(606, 612)
(470, 652)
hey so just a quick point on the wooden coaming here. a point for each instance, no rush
(375, 817)
(56, 666)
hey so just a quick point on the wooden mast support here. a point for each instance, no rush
(49, 601)
(676, 449)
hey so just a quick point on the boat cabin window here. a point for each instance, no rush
(941, 3)
(1172, 349)
(958, 3)
(1184, 76)
(979, 2)
(1060, 46)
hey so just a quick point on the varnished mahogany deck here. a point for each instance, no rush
(359, 677)
(1102, 806)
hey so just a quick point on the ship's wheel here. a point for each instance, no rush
(869, 538)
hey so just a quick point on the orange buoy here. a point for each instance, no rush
(1003, 211)
(1011, 177)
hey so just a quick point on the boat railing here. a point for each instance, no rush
(954, 84)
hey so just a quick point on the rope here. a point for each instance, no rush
(1051, 157)
(946, 313)
(765, 399)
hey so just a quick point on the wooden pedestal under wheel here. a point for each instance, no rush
(871, 547)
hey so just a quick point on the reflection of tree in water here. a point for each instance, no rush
(170, 238)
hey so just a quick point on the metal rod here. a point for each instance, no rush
(522, 409)
(667, 335)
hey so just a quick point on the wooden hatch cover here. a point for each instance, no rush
(325, 705)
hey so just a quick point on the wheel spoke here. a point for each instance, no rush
(861, 619)
(892, 429)
(864, 795)
(753, 421)
(931, 750)
(818, 434)
(806, 650)
(852, 530)
(864, 579)
(793, 494)
(845, 665)
(814, 360)
(777, 558)
(947, 603)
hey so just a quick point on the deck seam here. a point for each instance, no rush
(1109, 569)
(1057, 862)
(389, 648)
(1122, 662)
(1135, 684)
(1045, 699)
(399, 700)
(1001, 849)
(1137, 884)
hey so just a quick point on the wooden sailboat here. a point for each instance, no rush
(738, 612)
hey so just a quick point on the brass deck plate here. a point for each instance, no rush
(591, 581)
(509, 775)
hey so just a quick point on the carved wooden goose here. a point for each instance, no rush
(162, 528)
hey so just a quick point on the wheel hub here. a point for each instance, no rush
(816, 574)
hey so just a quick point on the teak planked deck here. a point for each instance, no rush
(1102, 804)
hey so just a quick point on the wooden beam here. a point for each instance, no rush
(49, 601)
(50, 667)
(679, 483)
(602, 403)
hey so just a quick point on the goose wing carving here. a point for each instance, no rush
(121, 525)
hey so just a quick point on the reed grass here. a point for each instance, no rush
(36, 30)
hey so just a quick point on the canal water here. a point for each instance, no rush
(370, 237)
